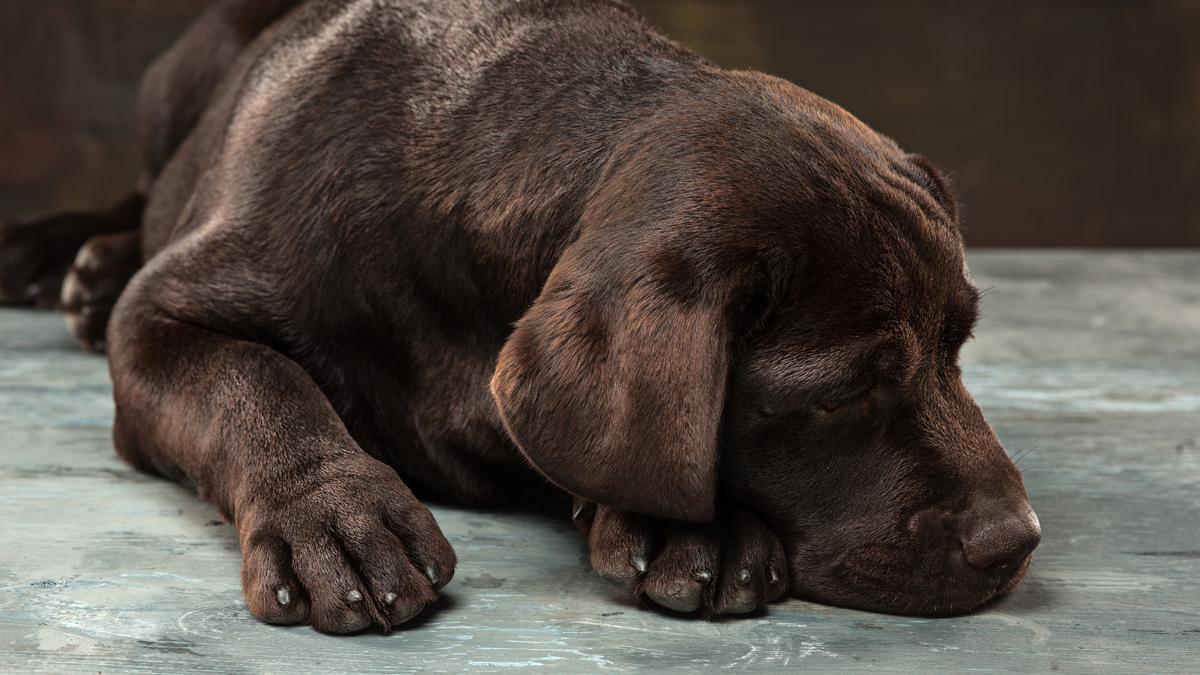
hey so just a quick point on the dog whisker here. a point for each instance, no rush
(1022, 454)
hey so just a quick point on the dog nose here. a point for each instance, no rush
(1005, 542)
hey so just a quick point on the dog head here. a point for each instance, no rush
(765, 304)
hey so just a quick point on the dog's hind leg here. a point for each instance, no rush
(36, 254)
(176, 89)
(95, 253)
(101, 270)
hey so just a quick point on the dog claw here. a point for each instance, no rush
(389, 598)
(703, 576)
(772, 576)
(743, 576)
(431, 573)
(639, 563)
(283, 596)
(353, 597)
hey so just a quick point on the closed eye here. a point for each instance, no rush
(954, 339)
(847, 398)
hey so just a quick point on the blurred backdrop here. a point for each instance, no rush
(1063, 123)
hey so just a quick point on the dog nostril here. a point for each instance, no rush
(1003, 544)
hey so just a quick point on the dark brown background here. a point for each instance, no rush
(1072, 122)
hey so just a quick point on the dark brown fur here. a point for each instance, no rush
(472, 246)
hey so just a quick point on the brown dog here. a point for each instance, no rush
(472, 246)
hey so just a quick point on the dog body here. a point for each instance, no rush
(506, 252)
(407, 212)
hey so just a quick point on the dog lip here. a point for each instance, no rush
(898, 593)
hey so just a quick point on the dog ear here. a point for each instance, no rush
(613, 383)
(938, 185)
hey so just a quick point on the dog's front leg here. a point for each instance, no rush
(328, 534)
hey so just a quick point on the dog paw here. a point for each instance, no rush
(31, 268)
(732, 567)
(102, 269)
(352, 550)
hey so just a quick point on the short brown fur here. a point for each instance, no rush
(508, 254)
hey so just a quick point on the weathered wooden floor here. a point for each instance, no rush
(1091, 359)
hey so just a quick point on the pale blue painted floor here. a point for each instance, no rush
(1092, 359)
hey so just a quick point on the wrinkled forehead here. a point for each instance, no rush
(922, 280)
(892, 301)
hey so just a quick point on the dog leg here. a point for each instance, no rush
(734, 566)
(101, 271)
(36, 254)
(329, 535)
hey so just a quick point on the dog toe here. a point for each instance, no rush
(339, 604)
(621, 544)
(752, 565)
(741, 592)
(398, 589)
(273, 593)
(431, 557)
(681, 576)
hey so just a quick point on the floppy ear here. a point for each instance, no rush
(613, 383)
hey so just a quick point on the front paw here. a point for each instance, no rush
(734, 566)
(355, 548)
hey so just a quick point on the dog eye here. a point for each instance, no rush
(829, 406)
(832, 405)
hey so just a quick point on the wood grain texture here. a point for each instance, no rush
(1091, 359)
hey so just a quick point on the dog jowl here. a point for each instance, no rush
(518, 254)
